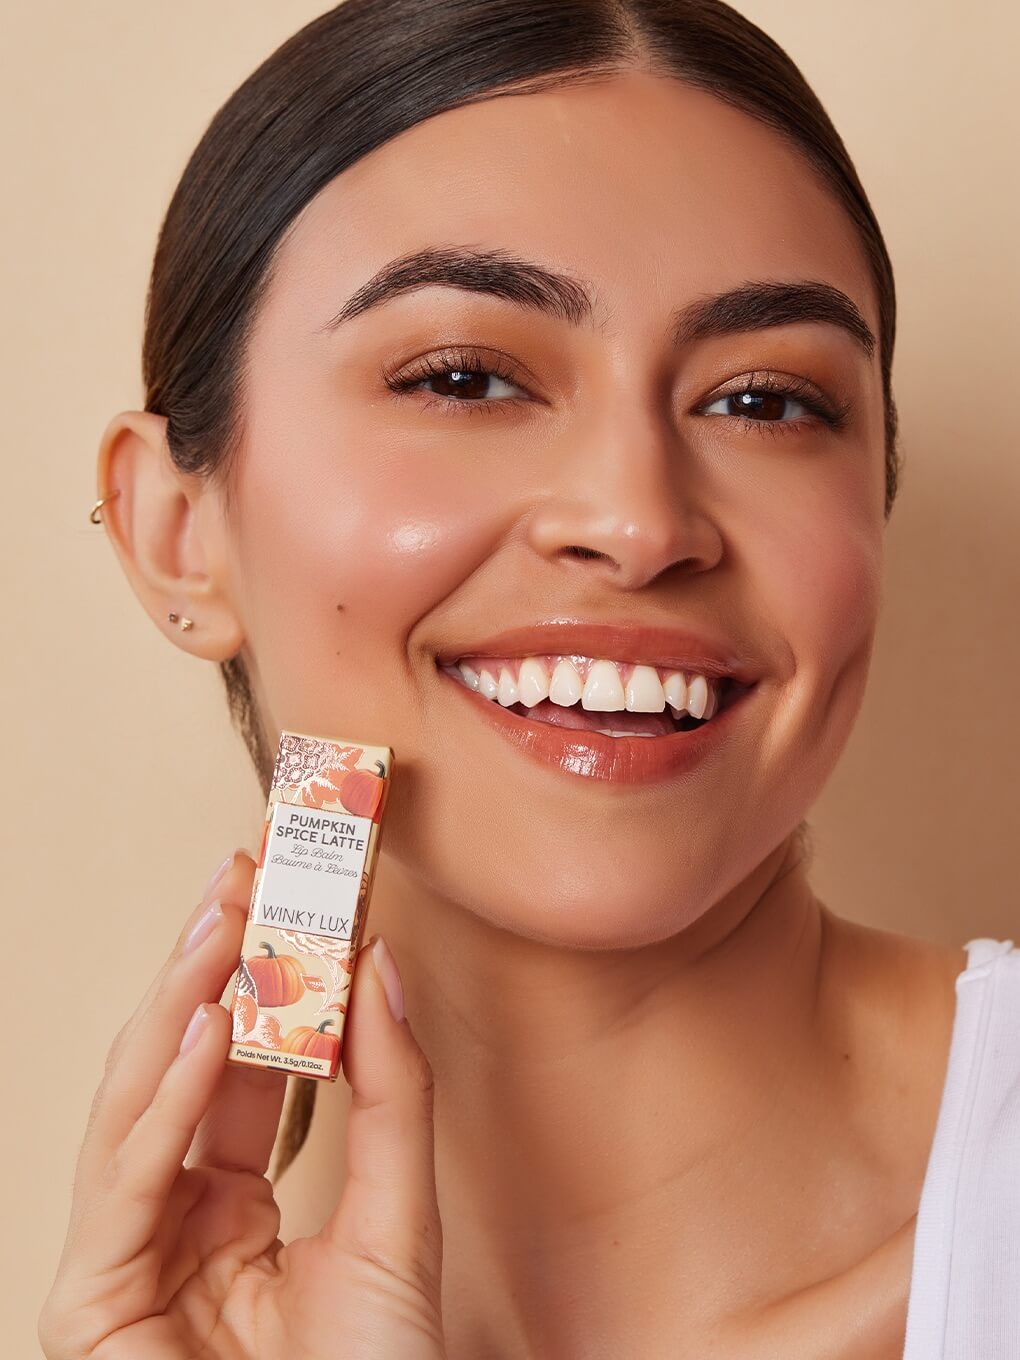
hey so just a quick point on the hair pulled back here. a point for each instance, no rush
(348, 82)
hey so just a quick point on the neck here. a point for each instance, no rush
(500, 1016)
(576, 1088)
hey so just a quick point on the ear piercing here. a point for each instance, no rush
(94, 518)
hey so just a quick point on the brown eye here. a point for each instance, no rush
(776, 405)
(465, 384)
(764, 406)
(466, 380)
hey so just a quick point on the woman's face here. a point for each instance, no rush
(373, 529)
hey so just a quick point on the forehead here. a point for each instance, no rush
(652, 189)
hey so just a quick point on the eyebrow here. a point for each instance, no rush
(751, 306)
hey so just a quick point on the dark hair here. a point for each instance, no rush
(350, 81)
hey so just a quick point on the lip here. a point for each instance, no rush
(623, 760)
(645, 644)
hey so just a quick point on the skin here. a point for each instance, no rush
(678, 1101)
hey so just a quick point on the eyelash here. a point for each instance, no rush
(834, 414)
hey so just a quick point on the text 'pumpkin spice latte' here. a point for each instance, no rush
(308, 905)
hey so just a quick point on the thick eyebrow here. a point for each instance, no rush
(751, 306)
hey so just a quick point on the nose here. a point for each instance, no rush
(629, 497)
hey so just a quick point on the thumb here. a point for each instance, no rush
(388, 1210)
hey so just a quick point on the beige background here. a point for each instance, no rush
(123, 784)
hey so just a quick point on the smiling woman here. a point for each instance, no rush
(518, 397)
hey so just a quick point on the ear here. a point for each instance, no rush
(169, 530)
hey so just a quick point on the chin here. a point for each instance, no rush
(596, 906)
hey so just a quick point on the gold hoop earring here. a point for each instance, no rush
(94, 517)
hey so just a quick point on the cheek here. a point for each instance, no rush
(819, 570)
(827, 586)
(338, 568)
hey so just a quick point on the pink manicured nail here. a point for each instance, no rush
(204, 926)
(195, 1030)
(386, 967)
(218, 875)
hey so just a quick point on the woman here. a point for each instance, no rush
(480, 333)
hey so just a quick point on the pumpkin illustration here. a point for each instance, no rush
(313, 1043)
(362, 791)
(279, 978)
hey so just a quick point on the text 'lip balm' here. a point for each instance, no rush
(313, 880)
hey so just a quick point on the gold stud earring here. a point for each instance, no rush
(176, 618)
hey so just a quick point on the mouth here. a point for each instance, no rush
(605, 719)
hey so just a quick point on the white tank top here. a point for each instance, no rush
(964, 1299)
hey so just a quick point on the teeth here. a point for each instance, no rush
(470, 676)
(675, 690)
(644, 691)
(506, 693)
(602, 691)
(565, 685)
(487, 685)
(713, 704)
(533, 682)
(697, 697)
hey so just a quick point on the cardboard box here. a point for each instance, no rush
(320, 845)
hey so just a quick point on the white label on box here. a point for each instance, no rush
(312, 871)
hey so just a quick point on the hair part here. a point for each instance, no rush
(350, 81)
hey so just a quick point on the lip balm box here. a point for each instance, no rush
(313, 880)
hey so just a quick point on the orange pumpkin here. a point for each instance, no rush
(313, 1043)
(279, 978)
(362, 791)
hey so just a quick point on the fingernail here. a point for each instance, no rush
(386, 967)
(195, 1030)
(217, 875)
(205, 924)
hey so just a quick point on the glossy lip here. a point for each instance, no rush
(624, 760)
(644, 644)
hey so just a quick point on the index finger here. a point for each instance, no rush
(148, 1043)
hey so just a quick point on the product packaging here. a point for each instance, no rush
(309, 900)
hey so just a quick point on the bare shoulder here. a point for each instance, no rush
(889, 1010)
(895, 985)
(892, 998)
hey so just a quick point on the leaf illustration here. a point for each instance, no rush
(267, 1032)
(246, 983)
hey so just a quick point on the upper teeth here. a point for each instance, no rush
(607, 687)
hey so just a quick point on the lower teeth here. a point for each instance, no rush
(685, 724)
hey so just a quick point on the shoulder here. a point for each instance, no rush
(894, 1000)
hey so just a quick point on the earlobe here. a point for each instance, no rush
(168, 530)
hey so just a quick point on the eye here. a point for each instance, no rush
(763, 403)
(460, 378)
